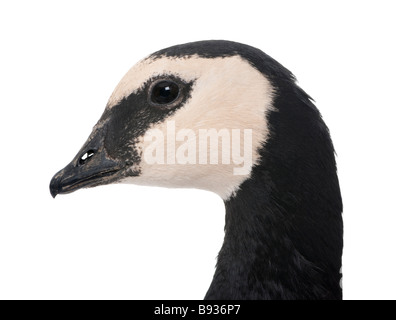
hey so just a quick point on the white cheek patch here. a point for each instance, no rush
(213, 141)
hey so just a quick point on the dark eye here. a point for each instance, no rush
(164, 92)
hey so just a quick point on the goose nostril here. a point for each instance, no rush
(85, 157)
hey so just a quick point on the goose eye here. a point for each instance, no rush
(164, 92)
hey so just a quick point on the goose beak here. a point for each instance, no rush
(91, 167)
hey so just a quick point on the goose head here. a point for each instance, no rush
(227, 118)
(165, 119)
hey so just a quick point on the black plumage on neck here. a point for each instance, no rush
(284, 230)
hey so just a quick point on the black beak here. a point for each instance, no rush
(91, 167)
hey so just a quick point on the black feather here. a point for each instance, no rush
(284, 229)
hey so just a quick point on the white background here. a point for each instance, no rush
(59, 62)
